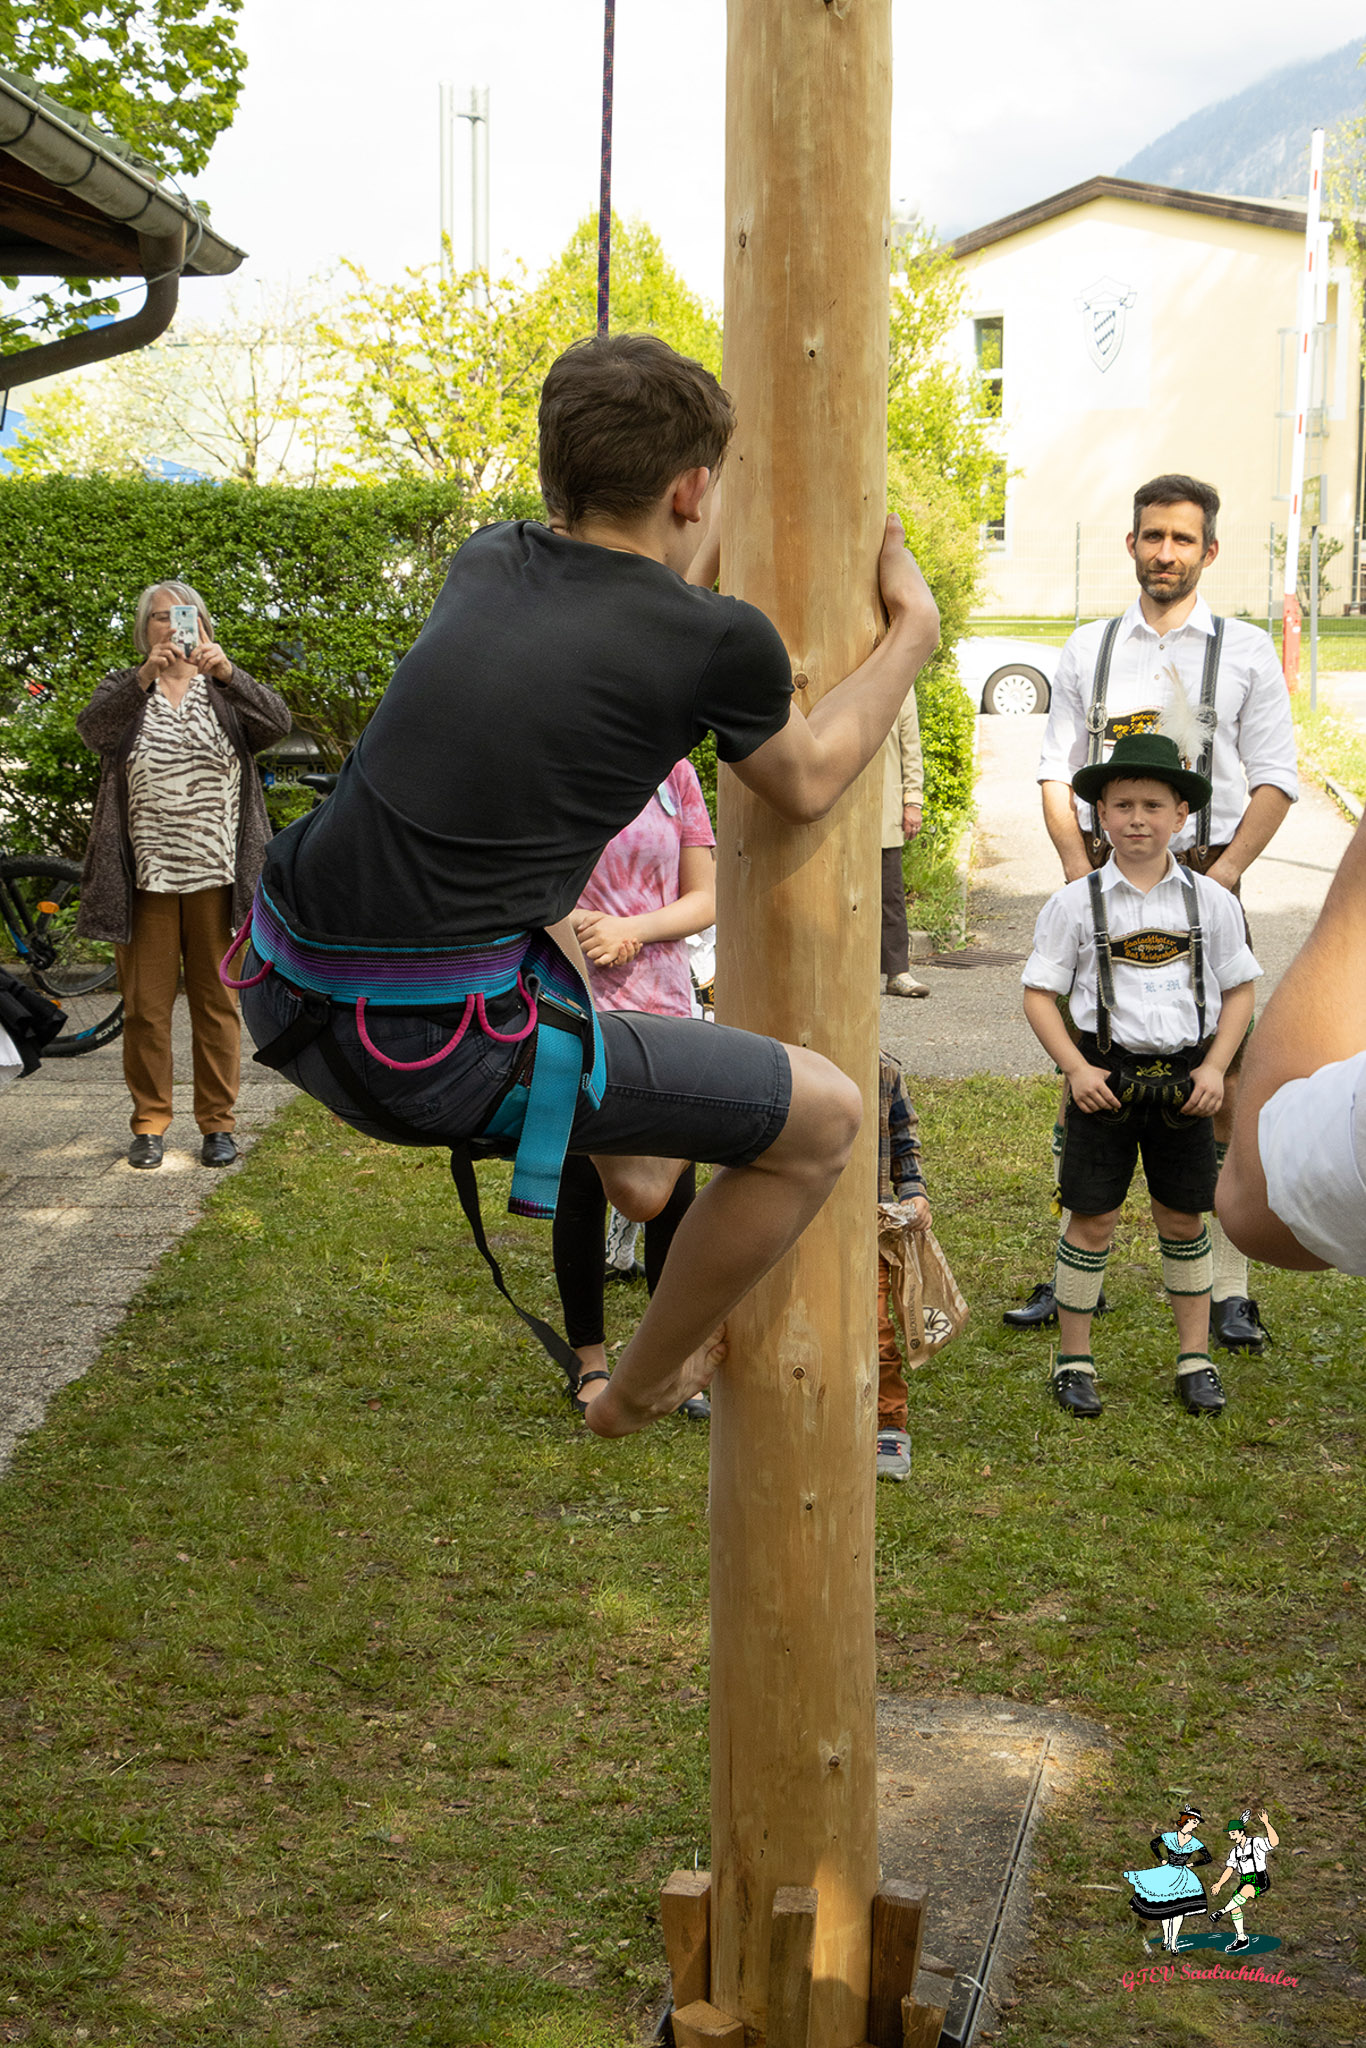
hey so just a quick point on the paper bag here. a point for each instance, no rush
(924, 1294)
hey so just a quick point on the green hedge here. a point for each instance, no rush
(318, 592)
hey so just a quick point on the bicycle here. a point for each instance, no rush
(39, 899)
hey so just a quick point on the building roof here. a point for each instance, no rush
(1261, 213)
(73, 200)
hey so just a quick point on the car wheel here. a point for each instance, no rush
(1015, 692)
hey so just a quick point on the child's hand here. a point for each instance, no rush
(608, 941)
(920, 1213)
(1091, 1088)
(1207, 1093)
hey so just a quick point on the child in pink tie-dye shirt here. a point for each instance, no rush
(654, 885)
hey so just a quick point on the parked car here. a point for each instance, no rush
(1011, 677)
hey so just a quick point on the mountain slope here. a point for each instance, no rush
(1257, 143)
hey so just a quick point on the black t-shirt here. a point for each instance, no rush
(552, 689)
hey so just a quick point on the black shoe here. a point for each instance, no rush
(1075, 1392)
(1041, 1308)
(218, 1149)
(1235, 1948)
(1237, 1325)
(147, 1149)
(1200, 1392)
(698, 1409)
(625, 1274)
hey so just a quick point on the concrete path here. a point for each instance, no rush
(973, 1022)
(79, 1228)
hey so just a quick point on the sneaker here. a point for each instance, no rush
(621, 1244)
(905, 985)
(893, 1454)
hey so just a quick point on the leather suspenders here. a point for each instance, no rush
(1105, 965)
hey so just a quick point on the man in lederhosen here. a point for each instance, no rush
(1214, 686)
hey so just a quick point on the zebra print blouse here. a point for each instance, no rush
(184, 795)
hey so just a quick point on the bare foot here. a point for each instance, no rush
(621, 1409)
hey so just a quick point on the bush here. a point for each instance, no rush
(947, 549)
(317, 592)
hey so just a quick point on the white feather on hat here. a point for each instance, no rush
(1189, 725)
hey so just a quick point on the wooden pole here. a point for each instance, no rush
(793, 1669)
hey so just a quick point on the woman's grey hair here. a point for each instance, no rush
(179, 593)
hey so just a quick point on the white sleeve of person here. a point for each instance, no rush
(1312, 1138)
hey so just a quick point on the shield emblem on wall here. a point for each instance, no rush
(1103, 306)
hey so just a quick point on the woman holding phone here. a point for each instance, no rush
(176, 846)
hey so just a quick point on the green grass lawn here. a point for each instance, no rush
(354, 1695)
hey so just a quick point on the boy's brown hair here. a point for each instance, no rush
(621, 416)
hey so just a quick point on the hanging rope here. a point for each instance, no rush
(609, 28)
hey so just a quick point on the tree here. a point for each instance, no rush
(938, 418)
(238, 400)
(162, 79)
(441, 375)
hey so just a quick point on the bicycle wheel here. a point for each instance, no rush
(39, 899)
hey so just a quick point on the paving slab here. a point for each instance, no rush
(80, 1230)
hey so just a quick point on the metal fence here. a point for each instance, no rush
(1081, 571)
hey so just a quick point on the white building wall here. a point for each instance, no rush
(1137, 339)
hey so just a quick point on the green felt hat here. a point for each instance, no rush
(1150, 755)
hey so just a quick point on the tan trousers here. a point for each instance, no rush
(891, 1379)
(195, 929)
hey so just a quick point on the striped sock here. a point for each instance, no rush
(1187, 1264)
(1074, 1361)
(1078, 1277)
(1230, 1267)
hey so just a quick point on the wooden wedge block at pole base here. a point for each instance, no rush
(792, 1944)
(700, 2025)
(922, 2024)
(898, 1930)
(685, 1914)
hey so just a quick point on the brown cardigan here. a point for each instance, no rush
(251, 714)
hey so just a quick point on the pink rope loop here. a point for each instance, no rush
(236, 947)
(410, 1066)
(510, 1037)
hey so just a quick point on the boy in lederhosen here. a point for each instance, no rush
(1158, 973)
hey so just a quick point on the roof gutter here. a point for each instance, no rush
(35, 135)
(162, 257)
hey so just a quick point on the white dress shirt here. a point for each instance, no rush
(1254, 742)
(1311, 1135)
(1154, 1008)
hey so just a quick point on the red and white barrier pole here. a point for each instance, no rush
(1315, 259)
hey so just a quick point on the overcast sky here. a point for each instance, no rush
(334, 151)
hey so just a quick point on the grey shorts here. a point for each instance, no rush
(676, 1088)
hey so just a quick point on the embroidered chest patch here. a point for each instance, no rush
(1151, 949)
(1132, 722)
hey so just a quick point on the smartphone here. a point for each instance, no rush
(185, 627)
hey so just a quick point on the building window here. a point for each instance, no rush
(994, 524)
(989, 341)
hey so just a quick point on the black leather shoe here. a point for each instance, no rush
(218, 1149)
(697, 1409)
(1041, 1308)
(1200, 1392)
(147, 1149)
(1237, 1325)
(1075, 1392)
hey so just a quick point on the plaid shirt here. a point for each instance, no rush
(899, 1175)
